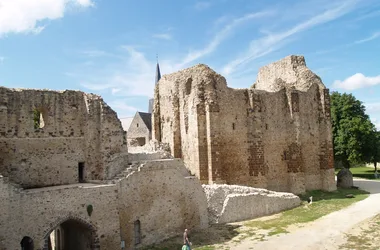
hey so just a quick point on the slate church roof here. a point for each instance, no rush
(147, 119)
(158, 77)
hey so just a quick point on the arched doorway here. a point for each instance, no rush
(72, 234)
(27, 243)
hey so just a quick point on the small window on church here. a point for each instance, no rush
(137, 125)
(233, 126)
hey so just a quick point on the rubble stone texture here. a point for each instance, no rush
(39, 175)
(78, 127)
(146, 194)
(231, 203)
(274, 135)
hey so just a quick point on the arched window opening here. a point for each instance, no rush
(27, 243)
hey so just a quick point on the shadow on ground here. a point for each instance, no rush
(368, 174)
(216, 234)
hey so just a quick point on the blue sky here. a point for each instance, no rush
(109, 47)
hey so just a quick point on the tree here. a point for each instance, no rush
(374, 149)
(353, 132)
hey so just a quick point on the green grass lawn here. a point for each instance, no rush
(323, 204)
(218, 235)
(362, 172)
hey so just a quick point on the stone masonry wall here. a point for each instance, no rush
(164, 198)
(78, 127)
(275, 135)
(36, 212)
(231, 203)
(160, 194)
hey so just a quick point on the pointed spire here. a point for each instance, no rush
(158, 73)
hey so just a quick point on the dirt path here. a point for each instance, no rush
(327, 232)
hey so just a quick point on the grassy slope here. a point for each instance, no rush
(323, 204)
(216, 237)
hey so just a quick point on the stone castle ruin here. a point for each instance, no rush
(68, 179)
(275, 135)
(52, 138)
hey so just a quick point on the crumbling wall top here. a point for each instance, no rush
(289, 72)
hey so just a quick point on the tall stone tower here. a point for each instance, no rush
(158, 77)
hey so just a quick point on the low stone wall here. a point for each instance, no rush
(231, 203)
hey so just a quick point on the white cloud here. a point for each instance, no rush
(85, 3)
(370, 38)
(357, 81)
(376, 122)
(368, 15)
(373, 107)
(133, 77)
(202, 5)
(22, 16)
(164, 36)
(221, 36)
(123, 108)
(273, 41)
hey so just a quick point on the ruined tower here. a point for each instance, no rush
(275, 135)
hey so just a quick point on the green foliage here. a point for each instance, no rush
(374, 149)
(353, 132)
(89, 210)
(36, 119)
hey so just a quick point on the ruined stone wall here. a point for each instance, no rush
(77, 127)
(276, 135)
(160, 194)
(164, 199)
(231, 203)
(36, 212)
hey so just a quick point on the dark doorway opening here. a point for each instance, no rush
(27, 243)
(141, 141)
(71, 235)
(81, 171)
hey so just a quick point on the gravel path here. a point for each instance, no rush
(327, 232)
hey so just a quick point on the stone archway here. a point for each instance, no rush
(74, 234)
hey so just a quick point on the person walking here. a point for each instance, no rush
(186, 241)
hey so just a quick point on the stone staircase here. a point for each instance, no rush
(132, 167)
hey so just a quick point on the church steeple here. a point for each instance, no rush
(158, 77)
(158, 73)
